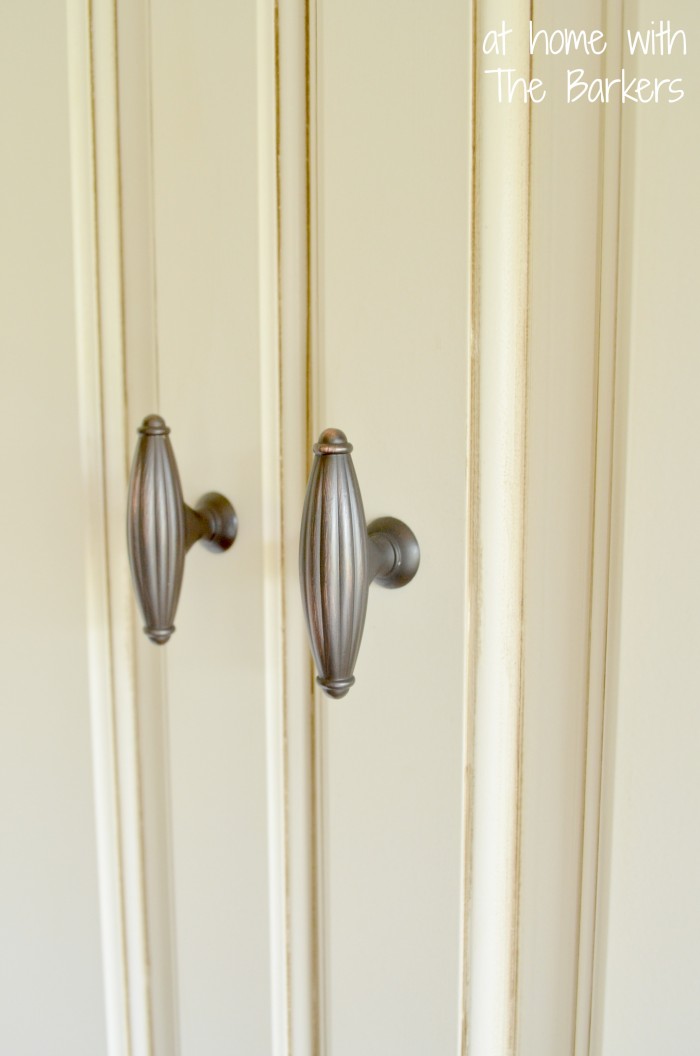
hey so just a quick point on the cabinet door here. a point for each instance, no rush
(136, 814)
(173, 159)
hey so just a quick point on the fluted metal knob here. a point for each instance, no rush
(339, 556)
(161, 528)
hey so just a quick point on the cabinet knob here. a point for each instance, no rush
(161, 528)
(339, 556)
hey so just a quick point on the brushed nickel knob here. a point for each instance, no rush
(161, 528)
(339, 556)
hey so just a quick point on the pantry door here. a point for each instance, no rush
(309, 217)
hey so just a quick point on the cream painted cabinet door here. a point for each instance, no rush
(139, 810)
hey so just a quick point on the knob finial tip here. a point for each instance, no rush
(332, 436)
(154, 425)
(332, 442)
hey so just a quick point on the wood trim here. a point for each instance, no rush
(96, 195)
(112, 147)
(284, 312)
(498, 374)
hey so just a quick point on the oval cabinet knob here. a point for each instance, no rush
(339, 556)
(161, 528)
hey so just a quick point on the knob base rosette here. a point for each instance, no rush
(403, 560)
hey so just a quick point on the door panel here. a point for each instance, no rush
(391, 244)
(205, 194)
(171, 277)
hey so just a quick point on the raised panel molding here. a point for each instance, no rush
(100, 350)
(282, 128)
(288, 421)
(129, 759)
(546, 190)
(498, 407)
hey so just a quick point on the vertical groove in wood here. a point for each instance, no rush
(283, 552)
(471, 565)
(96, 197)
(273, 516)
(609, 220)
(518, 820)
(320, 1040)
(150, 161)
